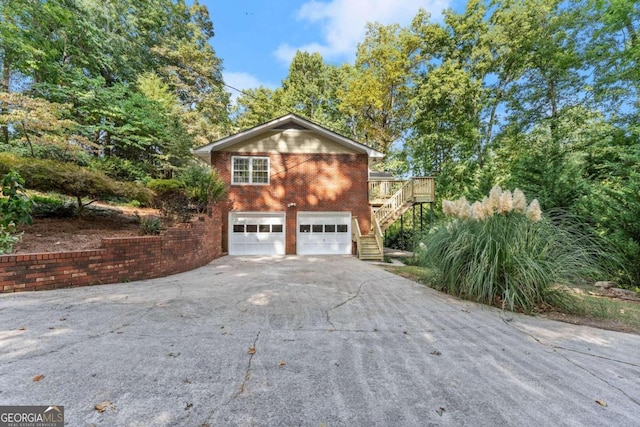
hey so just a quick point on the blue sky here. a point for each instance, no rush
(256, 39)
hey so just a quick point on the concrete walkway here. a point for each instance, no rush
(309, 341)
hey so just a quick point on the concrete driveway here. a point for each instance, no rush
(306, 341)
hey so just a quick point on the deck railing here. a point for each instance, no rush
(415, 190)
(380, 191)
(355, 231)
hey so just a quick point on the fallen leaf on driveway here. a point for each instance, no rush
(282, 363)
(440, 410)
(38, 378)
(252, 350)
(601, 402)
(22, 329)
(436, 353)
(101, 407)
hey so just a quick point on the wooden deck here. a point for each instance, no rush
(381, 191)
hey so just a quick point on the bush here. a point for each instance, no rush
(15, 205)
(203, 186)
(503, 251)
(396, 238)
(51, 207)
(171, 199)
(71, 180)
(47, 151)
(151, 226)
(8, 238)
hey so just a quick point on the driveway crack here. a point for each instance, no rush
(558, 350)
(247, 373)
(351, 298)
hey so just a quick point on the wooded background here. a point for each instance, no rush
(540, 95)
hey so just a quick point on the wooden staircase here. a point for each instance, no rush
(415, 190)
(368, 249)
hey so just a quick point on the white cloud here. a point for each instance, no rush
(242, 81)
(343, 23)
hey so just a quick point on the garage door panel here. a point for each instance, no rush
(324, 233)
(256, 233)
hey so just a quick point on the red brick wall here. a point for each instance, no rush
(314, 182)
(119, 259)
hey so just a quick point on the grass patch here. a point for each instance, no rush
(423, 275)
(582, 308)
(619, 312)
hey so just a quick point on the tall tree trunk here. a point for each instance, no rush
(4, 87)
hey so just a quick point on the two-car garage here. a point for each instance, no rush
(265, 233)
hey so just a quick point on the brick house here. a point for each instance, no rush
(294, 188)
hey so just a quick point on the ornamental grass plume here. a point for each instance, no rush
(495, 196)
(506, 202)
(477, 211)
(534, 213)
(519, 201)
(486, 207)
(498, 202)
(449, 208)
(463, 208)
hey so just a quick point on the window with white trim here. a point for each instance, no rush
(250, 170)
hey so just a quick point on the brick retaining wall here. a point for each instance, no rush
(118, 260)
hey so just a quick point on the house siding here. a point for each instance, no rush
(299, 182)
(289, 141)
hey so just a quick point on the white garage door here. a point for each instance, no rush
(256, 233)
(324, 233)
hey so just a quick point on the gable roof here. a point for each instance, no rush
(285, 122)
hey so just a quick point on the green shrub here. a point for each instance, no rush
(51, 207)
(165, 186)
(8, 238)
(71, 180)
(151, 225)
(15, 205)
(47, 151)
(503, 251)
(203, 186)
(171, 199)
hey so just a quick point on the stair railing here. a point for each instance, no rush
(355, 233)
(393, 204)
(377, 232)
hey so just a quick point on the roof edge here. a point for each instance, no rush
(204, 151)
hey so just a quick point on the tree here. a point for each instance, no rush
(453, 100)
(256, 106)
(41, 125)
(194, 73)
(375, 99)
(613, 50)
(309, 90)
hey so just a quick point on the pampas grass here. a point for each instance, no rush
(507, 254)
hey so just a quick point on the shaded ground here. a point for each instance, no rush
(609, 302)
(81, 233)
